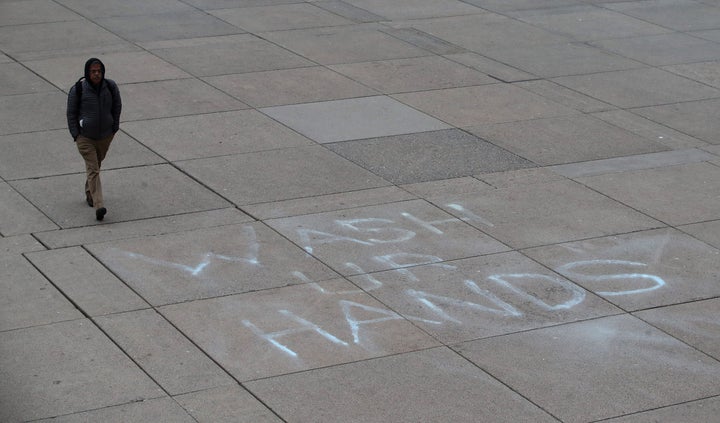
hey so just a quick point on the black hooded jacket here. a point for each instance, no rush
(98, 114)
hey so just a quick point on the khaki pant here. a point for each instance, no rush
(93, 152)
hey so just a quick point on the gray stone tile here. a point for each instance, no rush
(706, 231)
(638, 87)
(629, 163)
(586, 23)
(424, 40)
(680, 15)
(121, 67)
(208, 262)
(348, 11)
(561, 59)
(34, 11)
(161, 410)
(639, 270)
(163, 352)
(565, 96)
(676, 195)
(32, 112)
(494, 103)
(342, 120)
(330, 202)
(18, 216)
(346, 44)
(439, 384)
(95, 9)
(385, 237)
(565, 139)
(289, 86)
(65, 368)
(174, 98)
(229, 404)
(699, 119)
(296, 328)
(91, 287)
(214, 134)
(693, 323)
(490, 67)
(639, 367)
(48, 153)
(226, 4)
(18, 244)
(15, 79)
(692, 412)
(280, 17)
(168, 26)
(712, 35)
(144, 227)
(415, 74)
(531, 215)
(133, 193)
(706, 72)
(211, 56)
(481, 297)
(649, 129)
(278, 175)
(665, 49)
(428, 156)
(537, 175)
(445, 187)
(28, 299)
(514, 5)
(415, 9)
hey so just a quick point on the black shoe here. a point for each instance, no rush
(88, 198)
(100, 213)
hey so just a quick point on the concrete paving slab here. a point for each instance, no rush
(414, 74)
(226, 4)
(424, 40)
(705, 231)
(494, 103)
(428, 156)
(280, 17)
(640, 367)
(101, 9)
(289, 86)
(122, 67)
(174, 98)
(133, 193)
(232, 54)
(676, 195)
(18, 216)
(531, 215)
(208, 262)
(32, 112)
(144, 227)
(28, 298)
(692, 412)
(639, 270)
(48, 153)
(385, 237)
(492, 68)
(680, 15)
(511, 178)
(33, 12)
(445, 187)
(163, 352)
(712, 35)
(440, 386)
(167, 26)
(485, 296)
(65, 368)
(587, 23)
(564, 96)
(415, 9)
(342, 120)
(18, 244)
(277, 175)
(213, 134)
(649, 129)
(348, 11)
(330, 202)
(638, 87)
(697, 118)
(228, 404)
(514, 5)
(706, 72)
(346, 44)
(565, 139)
(160, 410)
(284, 330)
(665, 49)
(16, 79)
(93, 289)
(693, 323)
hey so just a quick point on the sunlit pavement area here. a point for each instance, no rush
(364, 211)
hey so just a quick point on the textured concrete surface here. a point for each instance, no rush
(364, 211)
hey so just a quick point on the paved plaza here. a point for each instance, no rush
(436, 211)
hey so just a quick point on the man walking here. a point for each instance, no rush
(93, 115)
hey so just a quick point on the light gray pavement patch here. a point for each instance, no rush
(157, 410)
(665, 49)
(47, 112)
(34, 11)
(701, 411)
(416, 9)
(700, 119)
(18, 216)
(125, 8)
(705, 72)
(168, 26)
(706, 231)
(565, 96)
(680, 15)
(227, 404)
(11, 245)
(280, 17)
(15, 79)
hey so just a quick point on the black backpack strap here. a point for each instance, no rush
(78, 94)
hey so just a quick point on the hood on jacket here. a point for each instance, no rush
(89, 62)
